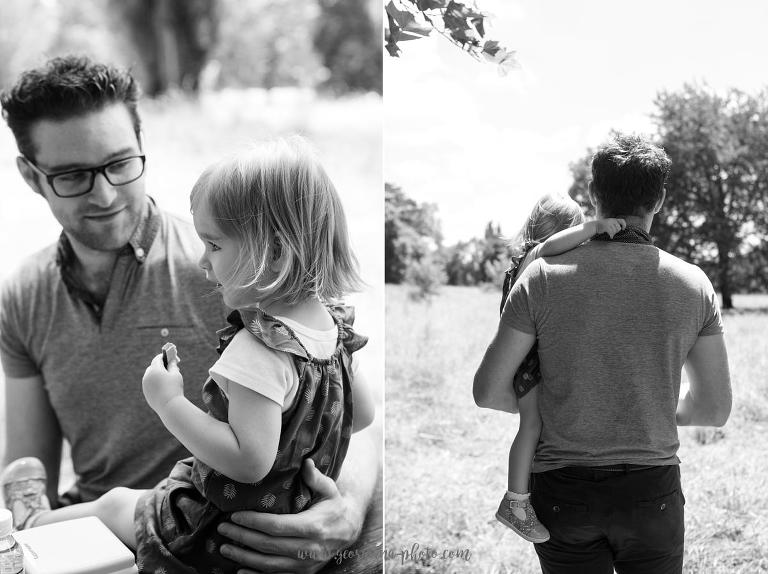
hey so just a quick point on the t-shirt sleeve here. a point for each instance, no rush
(248, 362)
(712, 320)
(519, 310)
(14, 355)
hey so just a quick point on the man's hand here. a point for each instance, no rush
(301, 542)
(610, 225)
(160, 385)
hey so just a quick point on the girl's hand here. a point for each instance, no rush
(610, 225)
(160, 385)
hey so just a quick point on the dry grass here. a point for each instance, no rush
(446, 459)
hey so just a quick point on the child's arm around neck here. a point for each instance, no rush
(572, 237)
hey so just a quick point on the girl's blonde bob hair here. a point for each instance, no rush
(552, 213)
(276, 200)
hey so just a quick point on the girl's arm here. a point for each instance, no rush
(572, 237)
(364, 409)
(244, 449)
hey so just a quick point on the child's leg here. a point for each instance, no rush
(524, 446)
(115, 509)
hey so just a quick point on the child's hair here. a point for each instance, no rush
(276, 199)
(552, 213)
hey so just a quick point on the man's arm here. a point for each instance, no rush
(492, 386)
(31, 427)
(708, 400)
(304, 542)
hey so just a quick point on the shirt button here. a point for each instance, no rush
(556, 508)
(139, 253)
(663, 505)
(164, 332)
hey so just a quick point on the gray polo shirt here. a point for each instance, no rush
(614, 323)
(92, 359)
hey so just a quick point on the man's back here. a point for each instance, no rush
(615, 322)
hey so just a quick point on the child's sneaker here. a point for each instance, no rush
(23, 489)
(529, 528)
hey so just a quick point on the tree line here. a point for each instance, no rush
(714, 216)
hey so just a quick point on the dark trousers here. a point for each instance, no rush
(627, 519)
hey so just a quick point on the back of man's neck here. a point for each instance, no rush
(643, 222)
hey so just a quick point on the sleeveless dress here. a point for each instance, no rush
(176, 521)
(528, 374)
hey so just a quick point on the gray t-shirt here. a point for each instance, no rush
(92, 360)
(614, 323)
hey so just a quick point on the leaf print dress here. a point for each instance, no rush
(176, 521)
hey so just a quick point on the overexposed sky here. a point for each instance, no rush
(484, 147)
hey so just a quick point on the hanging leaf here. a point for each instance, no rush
(460, 23)
(424, 5)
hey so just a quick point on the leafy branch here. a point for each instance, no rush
(461, 24)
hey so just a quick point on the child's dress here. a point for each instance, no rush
(176, 522)
(528, 374)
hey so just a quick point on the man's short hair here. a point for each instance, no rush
(65, 88)
(628, 175)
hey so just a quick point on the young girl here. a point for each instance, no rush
(555, 225)
(284, 388)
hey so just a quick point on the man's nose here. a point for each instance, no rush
(103, 193)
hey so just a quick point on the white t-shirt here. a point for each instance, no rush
(250, 363)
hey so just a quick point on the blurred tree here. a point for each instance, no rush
(478, 260)
(25, 29)
(173, 38)
(266, 43)
(463, 24)
(717, 192)
(581, 171)
(411, 233)
(348, 42)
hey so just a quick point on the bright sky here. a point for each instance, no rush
(484, 147)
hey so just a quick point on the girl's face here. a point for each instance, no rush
(221, 253)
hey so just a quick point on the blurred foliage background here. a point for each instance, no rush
(192, 45)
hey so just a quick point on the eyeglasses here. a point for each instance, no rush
(76, 182)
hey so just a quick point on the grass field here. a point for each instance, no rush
(446, 459)
(183, 136)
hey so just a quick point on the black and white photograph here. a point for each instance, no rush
(576, 275)
(192, 304)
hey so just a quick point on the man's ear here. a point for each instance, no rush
(30, 175)
(660, 203)
(591, 194)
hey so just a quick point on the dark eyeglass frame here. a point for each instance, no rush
(102, 169)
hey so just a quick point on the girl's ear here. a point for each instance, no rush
(279, 255)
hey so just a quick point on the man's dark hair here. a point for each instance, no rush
(65, 88)
(628, 175)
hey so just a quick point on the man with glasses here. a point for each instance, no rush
(80, 320)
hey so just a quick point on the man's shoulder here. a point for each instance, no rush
(35, 272)
(178, 237)
(680, 267)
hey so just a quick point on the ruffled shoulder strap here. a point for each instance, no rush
(345, 317)
(270, 331)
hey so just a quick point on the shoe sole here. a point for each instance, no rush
(508, 524)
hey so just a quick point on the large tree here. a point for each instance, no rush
(715, 212)
(411, 233)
